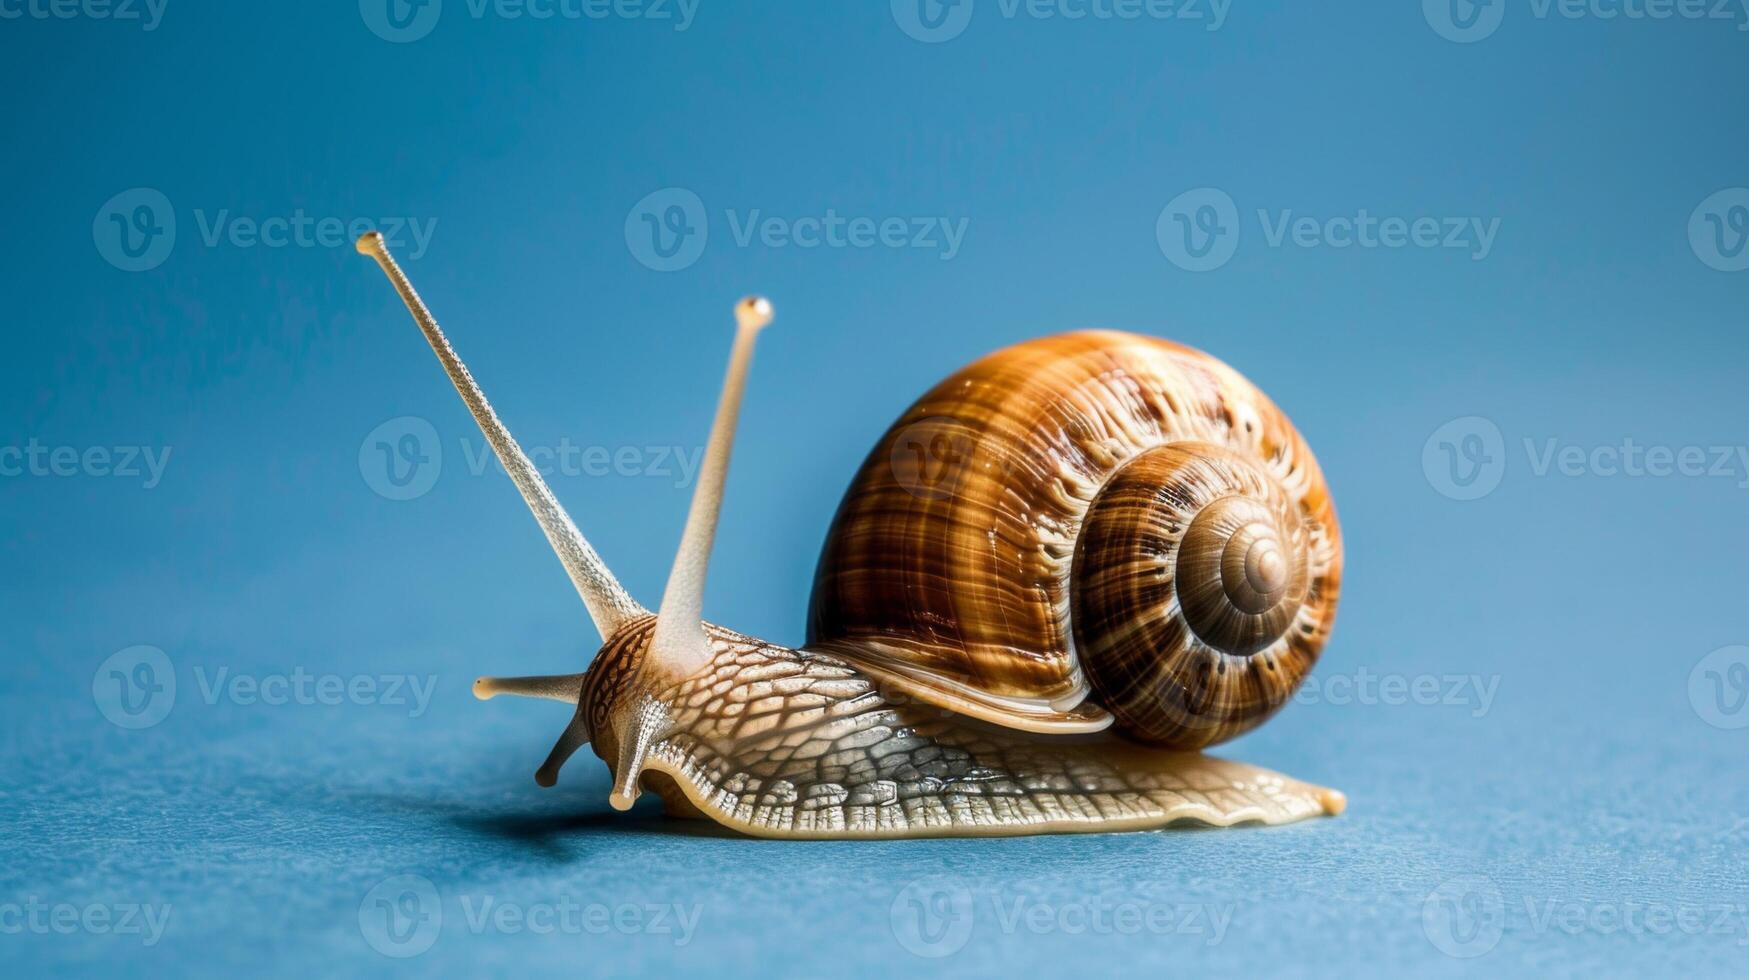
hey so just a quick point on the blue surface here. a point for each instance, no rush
(1573, 798)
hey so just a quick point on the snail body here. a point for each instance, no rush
(776, 742)
(1061, 573)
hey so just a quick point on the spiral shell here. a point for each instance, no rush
(1091, 512)
(1196, 534)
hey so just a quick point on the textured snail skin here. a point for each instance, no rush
(784, 743)
(1094, 513)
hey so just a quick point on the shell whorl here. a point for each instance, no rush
(1193, 596)
(959, 563)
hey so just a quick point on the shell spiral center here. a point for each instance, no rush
(1196, 608)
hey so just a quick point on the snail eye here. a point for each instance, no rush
(754, 309)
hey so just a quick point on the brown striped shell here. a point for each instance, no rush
(1095, 513)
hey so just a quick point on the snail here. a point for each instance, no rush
(1060, 575)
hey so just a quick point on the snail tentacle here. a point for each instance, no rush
(574, 737)
(679, 643)
(557, 687)
(609, 604)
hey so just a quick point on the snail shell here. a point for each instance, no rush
(1082, 529)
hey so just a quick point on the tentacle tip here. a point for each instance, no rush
(622, 800)
(546, 778)
(484, 688)
(753, 313)
(370, 243)
(1334, 801)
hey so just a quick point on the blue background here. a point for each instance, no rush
(1593, 781)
